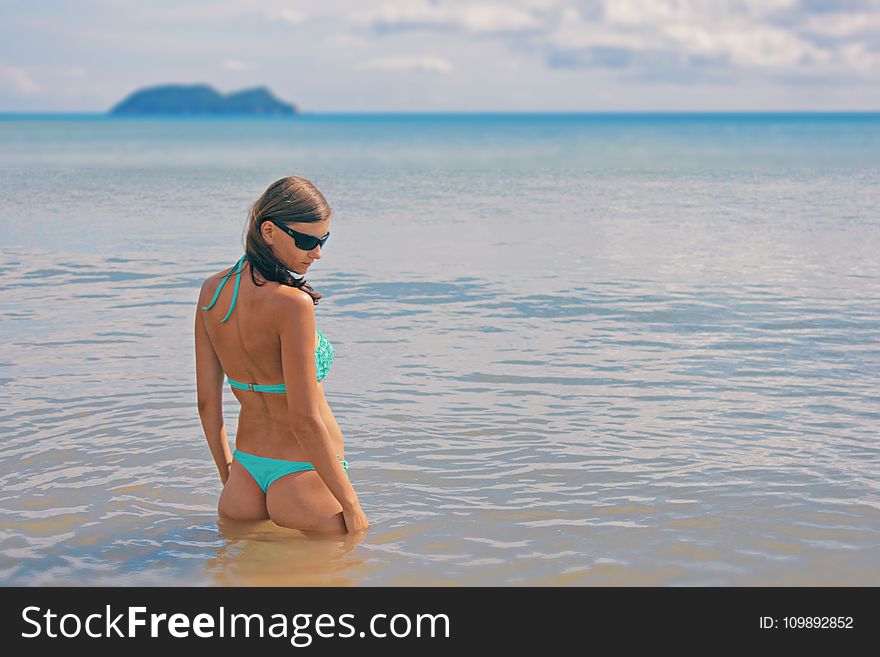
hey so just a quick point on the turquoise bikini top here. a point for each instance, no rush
(323, 352)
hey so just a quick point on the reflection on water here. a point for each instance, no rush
(263, 554)
(602, 354)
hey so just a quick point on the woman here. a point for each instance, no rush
(289, 464)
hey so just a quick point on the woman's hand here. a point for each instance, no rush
(355, 519)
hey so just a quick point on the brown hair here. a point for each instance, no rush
(291, 199)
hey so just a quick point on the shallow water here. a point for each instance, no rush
(569, 350)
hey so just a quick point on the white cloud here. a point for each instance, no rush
(470, 17)
(706, 12)
(207, 11)
(286, 14)
(573, 32)
(777, 36)
(700, 34)
(843, 25)
(857, 57)
(19, 80)
(542, 4)
(407, 64)
(747, 45)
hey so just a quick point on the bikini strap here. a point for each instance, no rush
(237, 268)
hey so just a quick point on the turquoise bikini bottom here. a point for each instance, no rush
(265, 470)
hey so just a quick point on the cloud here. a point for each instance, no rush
(666, 37)
(859, 58)
(474, 18)
(690, 33)
(19, 80)
(286, 15)
(407, 65)
(205, 11)
(213, 10)
(749, 46)
(520, 53)
(842, 26)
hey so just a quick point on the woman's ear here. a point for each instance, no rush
(266, 230)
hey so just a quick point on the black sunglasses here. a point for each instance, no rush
(303, 241)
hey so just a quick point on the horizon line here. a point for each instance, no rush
(108, 113)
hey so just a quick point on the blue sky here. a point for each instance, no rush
(449, 55)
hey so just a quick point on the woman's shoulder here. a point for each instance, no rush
(294, 299)
(293, 312)
(209, 285)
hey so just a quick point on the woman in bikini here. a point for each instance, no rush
(289, 464)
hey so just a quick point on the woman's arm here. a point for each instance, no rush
(329, 418)
(209, 387)
(304, 396)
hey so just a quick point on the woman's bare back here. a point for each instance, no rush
(249, 349)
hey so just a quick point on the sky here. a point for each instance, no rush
(449, 55)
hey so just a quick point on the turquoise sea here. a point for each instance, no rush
(633, 349)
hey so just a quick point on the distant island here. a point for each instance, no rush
(201, 99)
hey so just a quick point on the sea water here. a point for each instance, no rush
(570, 349)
